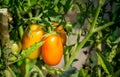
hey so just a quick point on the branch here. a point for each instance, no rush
(103, 27)
(89, 34)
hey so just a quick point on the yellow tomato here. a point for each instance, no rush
(32, 34)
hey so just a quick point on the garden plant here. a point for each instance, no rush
(34, 37)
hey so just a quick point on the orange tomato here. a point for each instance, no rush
(32, 34)
(60, 30)
(52, 49)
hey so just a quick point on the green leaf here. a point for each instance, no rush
(69, 72)
(67, 6)
(33, 2)
(11, 72)
(25, 53)
(117, 41)
(112, 53)
(29, 64)
(117, 73)
(76, 74)
(84, 73)
(39, 71)
(104, 63)
(94, 72)
(56, 2)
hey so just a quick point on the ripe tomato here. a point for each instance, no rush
(52, 49)
(32, 34)
(59, 29)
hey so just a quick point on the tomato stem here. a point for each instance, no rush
(104, 26)
(98, 48)
(66, 56)
(27, 68)
(49, 29)
(21, 31)
(29, 13)
(96, 16)
(89, 34)
(40, 71)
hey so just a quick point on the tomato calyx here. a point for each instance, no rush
(48, 34)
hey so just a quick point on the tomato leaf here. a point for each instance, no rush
(83, 73)
(117, 73)
(67, 6)
(70, 71)
(104, 63)
(25, 53)
(116, 41)
(11, 72)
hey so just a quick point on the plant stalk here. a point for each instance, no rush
(104, 26)
(77, 51)
(27, 68)
(40, 71)
(21, 31)
(96, 16)
(99, 49)
(90, 32)
(29, 13)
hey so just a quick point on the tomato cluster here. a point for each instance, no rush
(52, 48)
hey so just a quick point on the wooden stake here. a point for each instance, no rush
(4, 35)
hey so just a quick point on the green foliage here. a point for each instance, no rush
(28, 51)
(102, 30)
(104, 63)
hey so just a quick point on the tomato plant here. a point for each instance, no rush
(53, 29)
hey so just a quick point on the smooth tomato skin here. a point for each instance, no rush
(52, 50)
(32, 34)
(60, 30)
